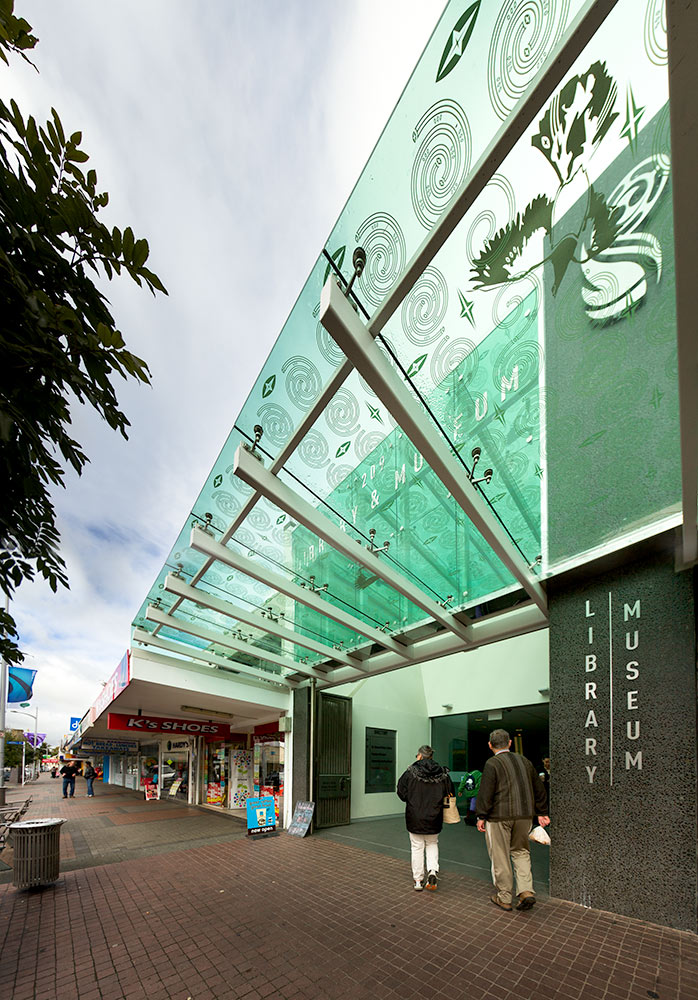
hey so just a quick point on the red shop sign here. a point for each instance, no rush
(156, 724)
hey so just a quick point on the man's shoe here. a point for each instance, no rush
(497, 902)
(418, 885)
(526, 900)
(431, 881)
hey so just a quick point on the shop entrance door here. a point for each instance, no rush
(333, 761)
(174, 775)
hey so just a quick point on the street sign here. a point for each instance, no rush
(74, 723)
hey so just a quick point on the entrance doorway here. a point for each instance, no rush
(174, 775)
(460, 741)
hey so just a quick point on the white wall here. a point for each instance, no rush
(389, 701)
(510, 672)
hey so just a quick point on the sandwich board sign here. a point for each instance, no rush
(261, 816)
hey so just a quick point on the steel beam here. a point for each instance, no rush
(516, 621)
(345, 327)
(191, 628)
(682, 30)
(202, 542)
(146, 638)
(180, 588)
(252, 472)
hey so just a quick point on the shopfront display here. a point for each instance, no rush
(269, 771)
(149, 769)
(217, 774)
(131, 772)
(240, 778)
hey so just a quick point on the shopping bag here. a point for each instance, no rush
(539, 835)
(451, 814)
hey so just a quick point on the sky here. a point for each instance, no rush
(229, 134)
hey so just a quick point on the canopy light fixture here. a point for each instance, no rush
(206, 711)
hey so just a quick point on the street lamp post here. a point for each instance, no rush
(35, 716)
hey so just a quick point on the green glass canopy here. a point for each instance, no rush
(536, 345)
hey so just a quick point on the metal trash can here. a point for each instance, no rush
(37, 851)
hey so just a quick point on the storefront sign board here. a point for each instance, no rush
(302, 815)
(261, 816)
(151, 791)
(109, 746)
(158, 724)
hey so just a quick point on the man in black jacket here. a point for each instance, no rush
(511, 794)
(423, 787)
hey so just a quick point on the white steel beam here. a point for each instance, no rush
(146, 638)
(228, 642)
(175, 585)
(345, 327)
(202, 542)
(682, 30)
(516, 621)
(252, 472)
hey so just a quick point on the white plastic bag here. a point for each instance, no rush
(539, 835)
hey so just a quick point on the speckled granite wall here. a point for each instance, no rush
(623, 743)
(301, 745)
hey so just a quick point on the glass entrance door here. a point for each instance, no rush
(174, 775)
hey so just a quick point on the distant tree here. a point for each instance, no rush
(58, 340)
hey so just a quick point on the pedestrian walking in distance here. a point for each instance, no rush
(89, 775)
(69, 770)
(511, 794)
(423, 787)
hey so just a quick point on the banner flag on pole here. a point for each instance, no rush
(29, 737)
(21, 681)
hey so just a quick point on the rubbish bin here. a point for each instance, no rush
(37, 851)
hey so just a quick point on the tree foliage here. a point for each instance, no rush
(58, 340)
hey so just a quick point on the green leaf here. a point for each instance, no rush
(127, 244)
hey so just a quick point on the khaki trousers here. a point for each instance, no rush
(507, 844)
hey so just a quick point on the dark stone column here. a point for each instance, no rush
(301, 745)
(623, 742)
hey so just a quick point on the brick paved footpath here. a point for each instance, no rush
(283, 917)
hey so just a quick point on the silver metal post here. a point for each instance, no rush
(3, 703)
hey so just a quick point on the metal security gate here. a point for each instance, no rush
(333, 761)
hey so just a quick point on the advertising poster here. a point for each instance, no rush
(261, 816)
(302, 816)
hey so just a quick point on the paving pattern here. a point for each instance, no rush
(313, 918)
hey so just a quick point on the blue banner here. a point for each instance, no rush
(20, 687)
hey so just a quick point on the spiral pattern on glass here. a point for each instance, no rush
(259, 519)
(655, 32)
(524, 34)
(342, 412)
(449, 354)
(383, 240)
(303, 383)
(424, 308)
(366, 442)
(276, 422)
(226, 503)
(313, 450)
(327, 347)
(527, 356)
(442, 159)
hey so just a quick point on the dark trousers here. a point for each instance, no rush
(68, 783)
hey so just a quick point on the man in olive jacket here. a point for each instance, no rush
(511, 794)
(423, 786)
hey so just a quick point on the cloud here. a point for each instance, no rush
(230, 135)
